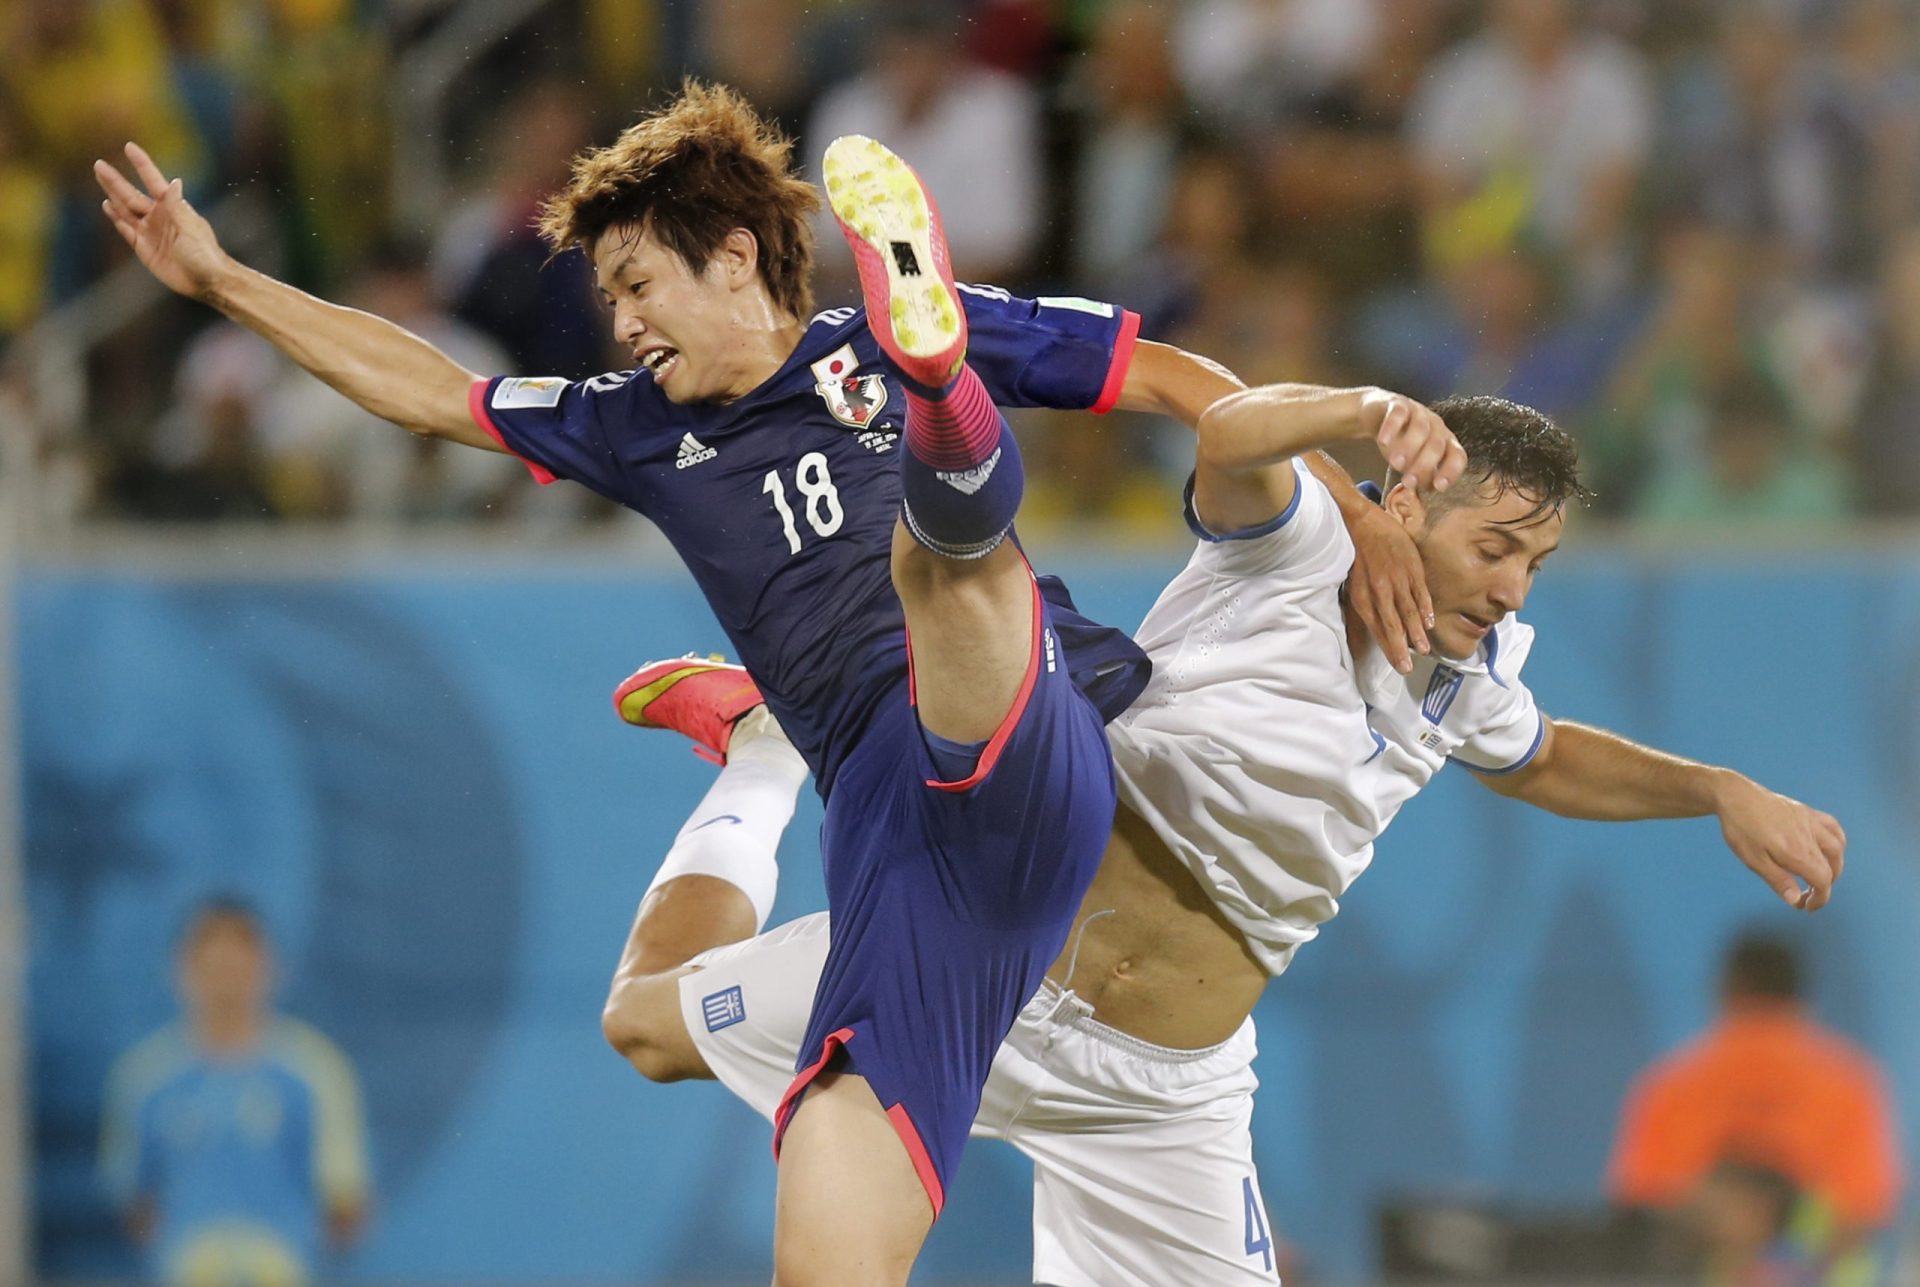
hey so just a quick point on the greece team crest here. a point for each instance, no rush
(854, 400)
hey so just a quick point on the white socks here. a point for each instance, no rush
(734, 833)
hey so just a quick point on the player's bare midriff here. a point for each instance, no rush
(1165, 966)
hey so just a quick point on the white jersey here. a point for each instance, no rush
(1267, 761)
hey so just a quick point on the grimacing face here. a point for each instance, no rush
(676, 323)
(1481, 555)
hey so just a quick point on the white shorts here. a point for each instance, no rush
(1143, 1156)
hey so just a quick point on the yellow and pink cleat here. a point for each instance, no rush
(900, 248)
(701, 697)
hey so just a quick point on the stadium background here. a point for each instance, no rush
(259, 644)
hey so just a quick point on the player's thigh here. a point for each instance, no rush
(972, 626)
(851, 1210)
(745, 1006)
(1158, 1202)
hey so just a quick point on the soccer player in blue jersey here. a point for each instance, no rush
(233, 1140)
(835, 485)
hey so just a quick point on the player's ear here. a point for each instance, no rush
(739, 258)
(1404, 505)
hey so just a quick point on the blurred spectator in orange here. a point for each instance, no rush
(972, 133)
(1887, 440)
(491, 263)
(1752, 470)
(1767, 1086)
(233, 1140)
(1534, 128)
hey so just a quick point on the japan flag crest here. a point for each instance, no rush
(854, 400)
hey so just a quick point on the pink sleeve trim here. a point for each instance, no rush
(477, 407)
(1122, 360)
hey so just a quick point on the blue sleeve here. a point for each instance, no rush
(1069, 354)
(561, 428)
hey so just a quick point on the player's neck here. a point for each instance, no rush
(228, 1032)
(765, 338)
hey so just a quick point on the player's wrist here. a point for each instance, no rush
(1718, 789)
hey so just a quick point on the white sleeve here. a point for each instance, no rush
(1507, 725)
(1307, 543)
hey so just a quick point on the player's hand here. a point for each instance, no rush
(1784, 842)
(1386, 590)
(169, 236)
(1416, 442)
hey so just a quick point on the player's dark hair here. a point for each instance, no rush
(221, 909)
(1516, 448)
(1761, 965)
(691, 173)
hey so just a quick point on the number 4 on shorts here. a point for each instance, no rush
(1259, 1241)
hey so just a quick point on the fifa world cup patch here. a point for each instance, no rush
(723, 1009)
(538, 391)
(855, 400)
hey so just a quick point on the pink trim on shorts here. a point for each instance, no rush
(897, 1115)
(477, 407)
(990, 754)
(1123, 346)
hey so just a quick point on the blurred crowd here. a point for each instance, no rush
(1690, 229)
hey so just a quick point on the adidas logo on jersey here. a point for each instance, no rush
(972, 480)
(692, 453)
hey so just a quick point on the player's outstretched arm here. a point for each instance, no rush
(1242, 477)
(391, 372)
(1387, 588)
(1582, 772)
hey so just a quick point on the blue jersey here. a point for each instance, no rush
(240, 1157)
(782, 503)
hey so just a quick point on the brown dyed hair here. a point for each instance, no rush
(691, 173)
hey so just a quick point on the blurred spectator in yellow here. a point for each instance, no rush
(1534, 128)
(1752, 471)
(1887, 440)
(972, 133)
(85, 76)
(491, 263)
(28, 211)
(233, 1139)
(1768, 1086)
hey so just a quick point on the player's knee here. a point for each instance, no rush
(634, 1024)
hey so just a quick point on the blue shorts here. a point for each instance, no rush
(950, 899)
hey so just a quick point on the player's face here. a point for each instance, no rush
(676, 323)
(226, 968)
(1481, 558)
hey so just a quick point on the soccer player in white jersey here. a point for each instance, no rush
(1256, 771)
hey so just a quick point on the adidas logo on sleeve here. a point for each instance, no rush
(692, 453)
